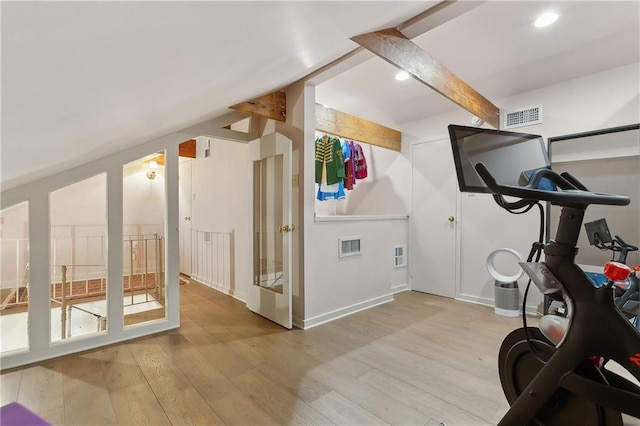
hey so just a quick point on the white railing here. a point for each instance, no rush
(143, 282)
(14, 273)
(84, 261)
(212, 258)
(143, 266)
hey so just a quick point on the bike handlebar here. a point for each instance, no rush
(624, 245)
(573, 191)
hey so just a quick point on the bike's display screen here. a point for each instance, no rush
(509, 156)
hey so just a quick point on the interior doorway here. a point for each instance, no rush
(434, 220)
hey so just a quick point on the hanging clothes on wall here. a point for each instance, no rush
(349, 170)
(360, 163)
(329, 173)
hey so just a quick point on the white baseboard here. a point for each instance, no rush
(400, 288)
(218, 287)
(342, 312)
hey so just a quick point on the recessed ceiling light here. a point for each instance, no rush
(402, 75)
(546, 19)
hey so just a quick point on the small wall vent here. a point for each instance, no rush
(522, 117)
(348, 246)
(399, 256)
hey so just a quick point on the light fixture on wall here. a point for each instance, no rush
(151, 173)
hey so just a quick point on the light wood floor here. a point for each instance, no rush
(419, 360)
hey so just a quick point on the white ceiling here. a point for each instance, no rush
(84, 79)
(497, 50)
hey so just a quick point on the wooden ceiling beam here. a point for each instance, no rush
(273, 105)
(395, 48)
(187, 149)
(426, 21)
(348, 126)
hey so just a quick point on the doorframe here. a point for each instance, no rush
(181, 218)
(458, 214)
(264, 302)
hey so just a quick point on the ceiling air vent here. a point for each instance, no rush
(522, 117)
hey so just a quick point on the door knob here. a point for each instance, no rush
(187, 218)
(451, 218)
(287, 228)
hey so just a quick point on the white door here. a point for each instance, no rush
(434, 220)
(270, 171)
(184, 209)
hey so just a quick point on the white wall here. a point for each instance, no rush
(384, 191)
(14, 248)
(143, 202)
(335, 286)
(220, 191)
(83, 204)
(299, 112)
(602, 100)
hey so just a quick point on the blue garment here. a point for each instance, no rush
(324, 196)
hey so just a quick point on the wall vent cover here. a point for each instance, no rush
(522, 117)
(399, 256)
(348, 246)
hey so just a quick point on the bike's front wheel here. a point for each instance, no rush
(520, 360)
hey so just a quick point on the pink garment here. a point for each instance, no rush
(360, 163)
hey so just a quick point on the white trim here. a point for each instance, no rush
(400, 288)
(342, 312)
(69, 346)
(322, 217)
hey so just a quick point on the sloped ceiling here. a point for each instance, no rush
(81, 80)
(84, 79)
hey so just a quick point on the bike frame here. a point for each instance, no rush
(597, 328)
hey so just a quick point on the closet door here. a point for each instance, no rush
(270, 294)
(434, 221)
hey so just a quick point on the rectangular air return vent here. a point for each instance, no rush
(348, 246)
(522, 117)
(399, 256)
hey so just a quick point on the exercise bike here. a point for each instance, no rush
(627, 294)
(564, 382)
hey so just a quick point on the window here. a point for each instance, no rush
(14, 277)
(78, 217)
